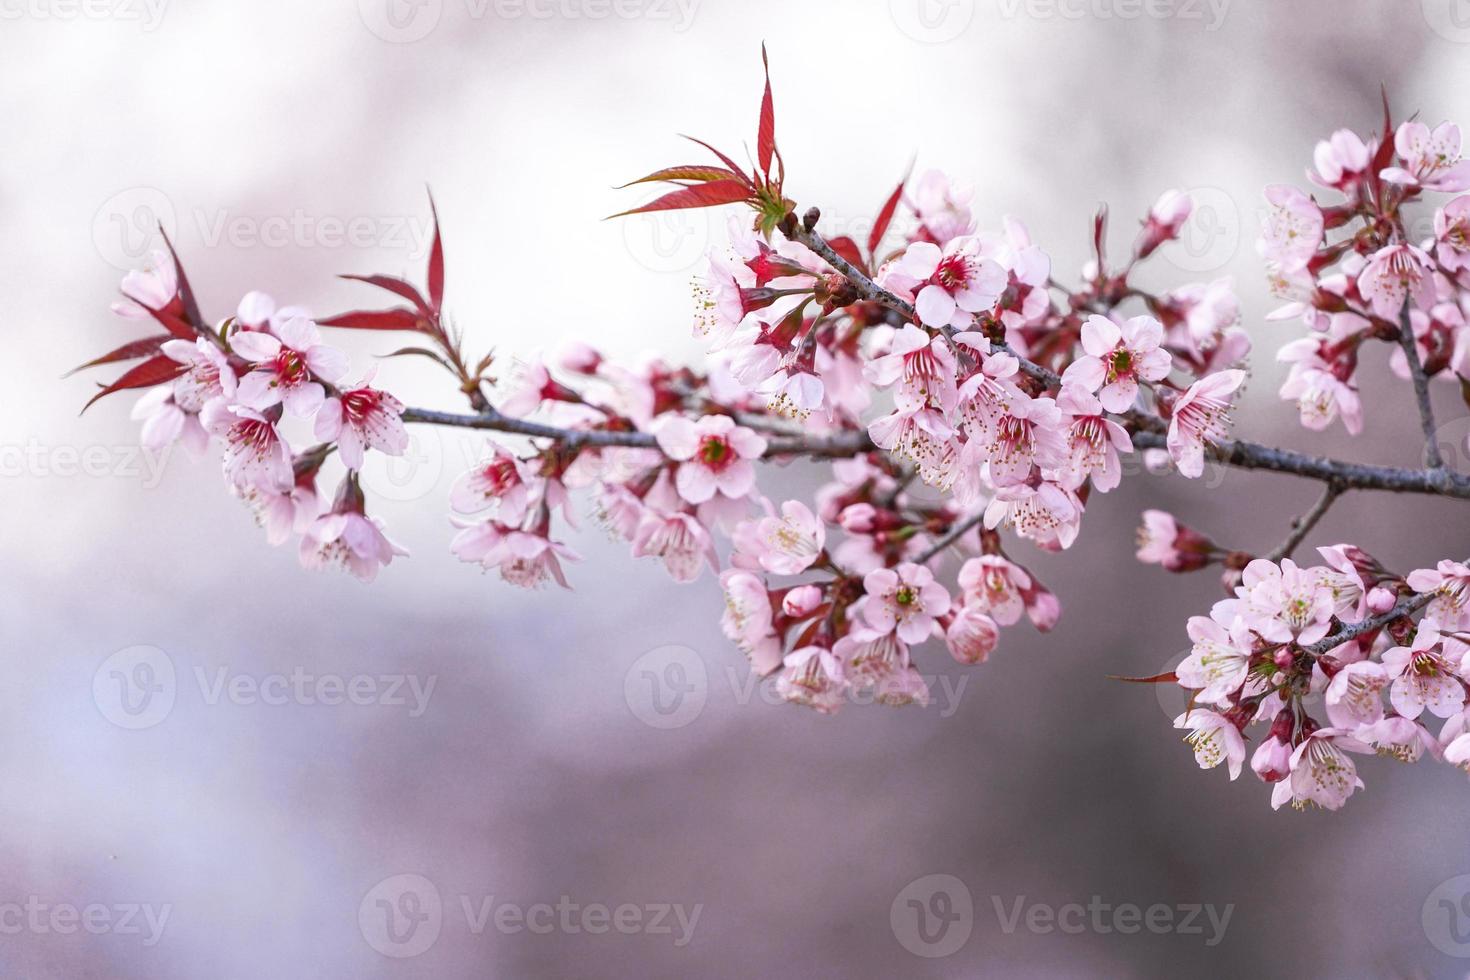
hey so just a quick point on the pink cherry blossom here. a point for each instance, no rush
(747, 621)
(995, 586)
(1431, 158)
(679, 540)
(1424, 678)
(1322, 774)
(1341, 161)
(348, 539)
(165, 422)
(1292, 229)
(153, 287)
(923, 367)
(286, 367)
(943, 208)
(1028, 433)
(501, 481)
(1201, 418)
(1285, 602)
(972, 635)
(1214, 739)
(524, 558)
(1118, 358)
(1272, 760)
(1219, 661)
(714, 455)
(1094, 441)
(255, 454)
(813, 676)
(1450, 580)
(948, 285)
(1354, 697)
(784, 545)
(1393, 274)
(362, 418)
(905, 598)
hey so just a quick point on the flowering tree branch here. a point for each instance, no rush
(938, 356)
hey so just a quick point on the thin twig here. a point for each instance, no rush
(1421, 390)
(1302, 526)
(955, 533)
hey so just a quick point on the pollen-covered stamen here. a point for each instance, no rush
(1208, 416)
(1120, 364)
(254, 437)
(289, 368)
(358, 405)
(1209, 747)
(953, 273)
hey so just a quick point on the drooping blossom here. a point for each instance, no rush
(1201, 418)
(287, 368)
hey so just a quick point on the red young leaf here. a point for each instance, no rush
(1384, 155)
(154, 371)
(1099, 238)
(399, 319)
(436, 263)
(688, 171)
(127, 352)
(885, 217)
(420, 352)
(393, 285)
(699, 196)
(723, 159)
(173, 324)
(186, 293)
(1165, 678)
(848, 249)
(766, 136)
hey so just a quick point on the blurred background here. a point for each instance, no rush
(219, 764)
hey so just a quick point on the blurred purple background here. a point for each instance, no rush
(284, 143)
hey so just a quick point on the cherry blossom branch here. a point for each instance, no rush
(1352, 476)
(806, 233)
(833, 445)
(1302, 526)
(1407, 606)
(1421, 390)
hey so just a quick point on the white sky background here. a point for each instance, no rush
(528, 777)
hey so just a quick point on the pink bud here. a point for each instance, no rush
(1272, 760)
(579, 358)
(801, 601)
(1380, 600)
(858, 518)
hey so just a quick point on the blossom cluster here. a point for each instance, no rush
(1353, 271)
(962, 402)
